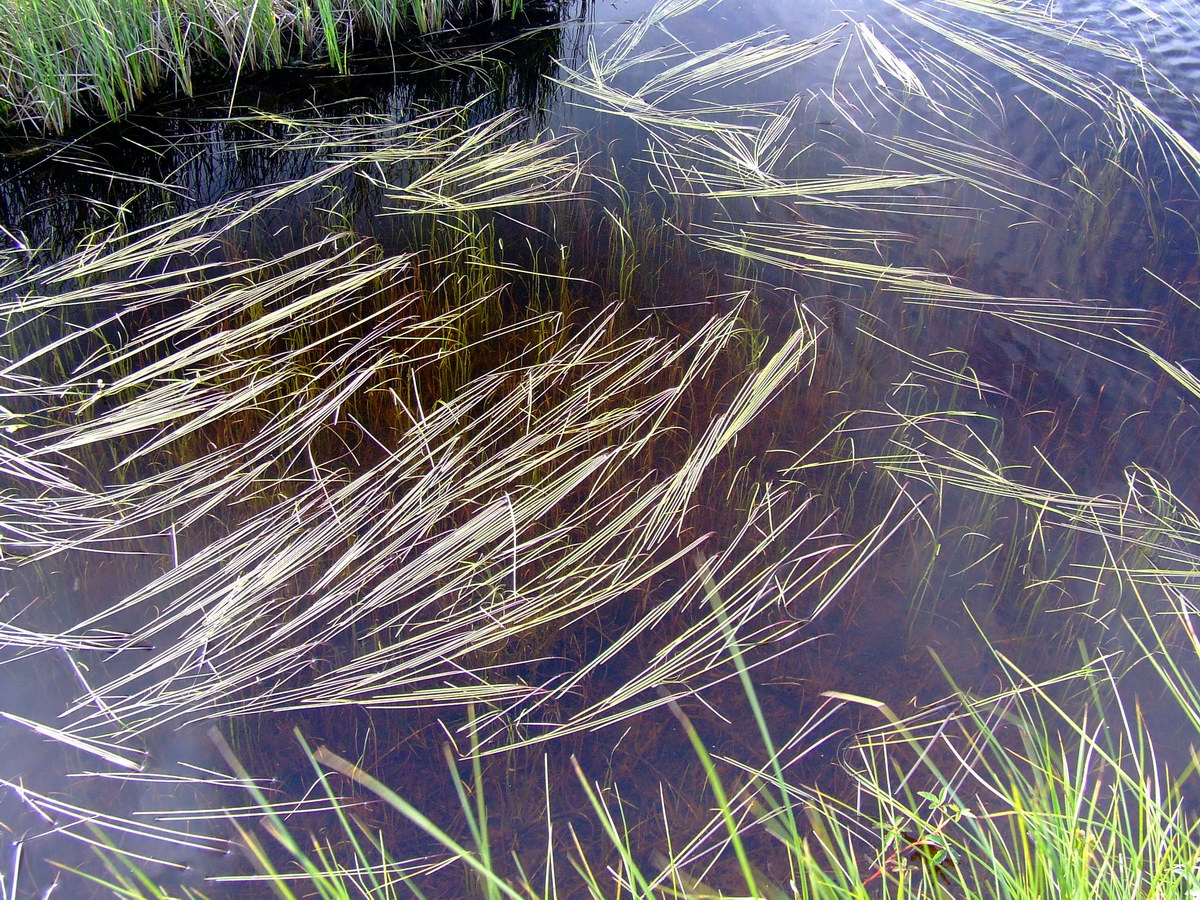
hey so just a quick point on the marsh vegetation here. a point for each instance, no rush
(62, 59)
(716, 464)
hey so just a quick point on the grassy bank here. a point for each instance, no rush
(1052, 788)
(60, 59)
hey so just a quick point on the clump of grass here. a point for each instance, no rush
(63, 58)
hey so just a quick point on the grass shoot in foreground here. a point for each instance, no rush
(1038, 788)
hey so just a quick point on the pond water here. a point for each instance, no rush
(441, 401)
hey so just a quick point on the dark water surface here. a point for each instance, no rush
(1077, 239)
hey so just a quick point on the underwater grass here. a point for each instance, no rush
(471, 487)
(459, 478)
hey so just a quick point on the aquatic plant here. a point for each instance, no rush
(476, 436)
